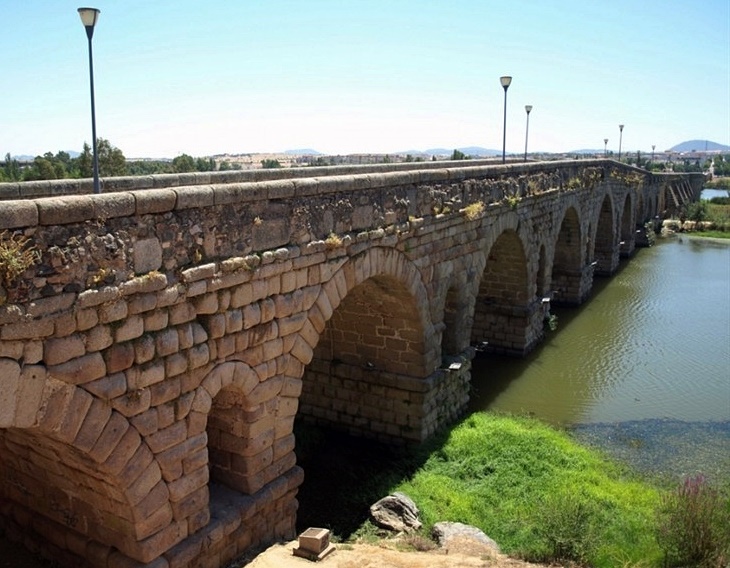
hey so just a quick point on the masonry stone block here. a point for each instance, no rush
(79, 370)
(147, 255)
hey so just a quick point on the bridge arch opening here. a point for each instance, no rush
(507, 314)
(628, 233)
(365, 369)
(79, 479)
(571, 278)
(605, 251)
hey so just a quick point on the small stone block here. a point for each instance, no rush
(314, 540)
(313, 556)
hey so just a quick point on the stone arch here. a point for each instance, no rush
(605, 251)
(506, 303)
(79, 468)
(372, 350)
(627, 235)
(570, 279)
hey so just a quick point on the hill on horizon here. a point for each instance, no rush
(699, 146)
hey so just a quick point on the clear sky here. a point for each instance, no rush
(346, 76)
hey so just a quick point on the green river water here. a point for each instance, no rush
(642, 368)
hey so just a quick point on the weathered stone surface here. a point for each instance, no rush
(147, 255)
(396, 512)
(446, 533)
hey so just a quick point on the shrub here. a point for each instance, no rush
(565, 521)
(693, 525)
(473, 211)
(16, 256)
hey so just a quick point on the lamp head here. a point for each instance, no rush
(528, 108)
(621, 127)
(89, 16)
(506, 80)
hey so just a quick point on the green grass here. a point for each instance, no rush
(538, 493)
(713, 234)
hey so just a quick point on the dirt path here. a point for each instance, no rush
(386, 555)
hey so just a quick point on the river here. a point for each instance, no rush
(649, 353)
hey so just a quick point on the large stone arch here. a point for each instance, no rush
(627, 227)
(571, 275)
(76, 471)
(605, 250)
(373, 363)
(507, 315)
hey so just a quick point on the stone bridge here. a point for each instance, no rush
(157, 341)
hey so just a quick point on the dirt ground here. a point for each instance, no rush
(385, 554)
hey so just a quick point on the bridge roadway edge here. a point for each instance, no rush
(154, 359)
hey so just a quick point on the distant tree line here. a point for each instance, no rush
(112, 163)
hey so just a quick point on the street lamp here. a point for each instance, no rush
(528, 108)
(89, 17)
(620, 138)
(652, 151)
(605, 147)
(505, 85)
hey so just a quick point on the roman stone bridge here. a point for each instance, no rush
(157, 341)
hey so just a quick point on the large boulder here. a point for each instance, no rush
(459, 535)
(396, 512)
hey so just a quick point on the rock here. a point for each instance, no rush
(396, 512)
(445, 532)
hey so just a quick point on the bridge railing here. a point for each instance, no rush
(58, 202)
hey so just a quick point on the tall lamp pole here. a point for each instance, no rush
(89, 17)
(620, 139)
(652, 151)
(528, 108)
(505, 81)
(605, 147)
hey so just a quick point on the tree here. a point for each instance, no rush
(11, 170)
(459, 155)
(270, 164)
(111, 160)
(183, 163)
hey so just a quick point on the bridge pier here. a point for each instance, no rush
(390, 407)
(508, 330)
(572, 288)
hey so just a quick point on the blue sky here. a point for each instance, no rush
(345, 76)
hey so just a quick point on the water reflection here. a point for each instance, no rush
(653, 341)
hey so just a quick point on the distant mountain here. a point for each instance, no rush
(303, 152)
(699, 146)
(468, 150)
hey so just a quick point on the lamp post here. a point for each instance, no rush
(652, 151)
(605, 147)
(620, 138)
(89, 17)
(528, 108)
(505, 81)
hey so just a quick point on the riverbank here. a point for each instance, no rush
(542, 495)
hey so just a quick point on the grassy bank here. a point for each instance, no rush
(539, 494)
(535, 490)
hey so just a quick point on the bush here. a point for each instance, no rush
(693, 525)
(566, 522)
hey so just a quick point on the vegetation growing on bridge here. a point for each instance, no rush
(16, 256)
